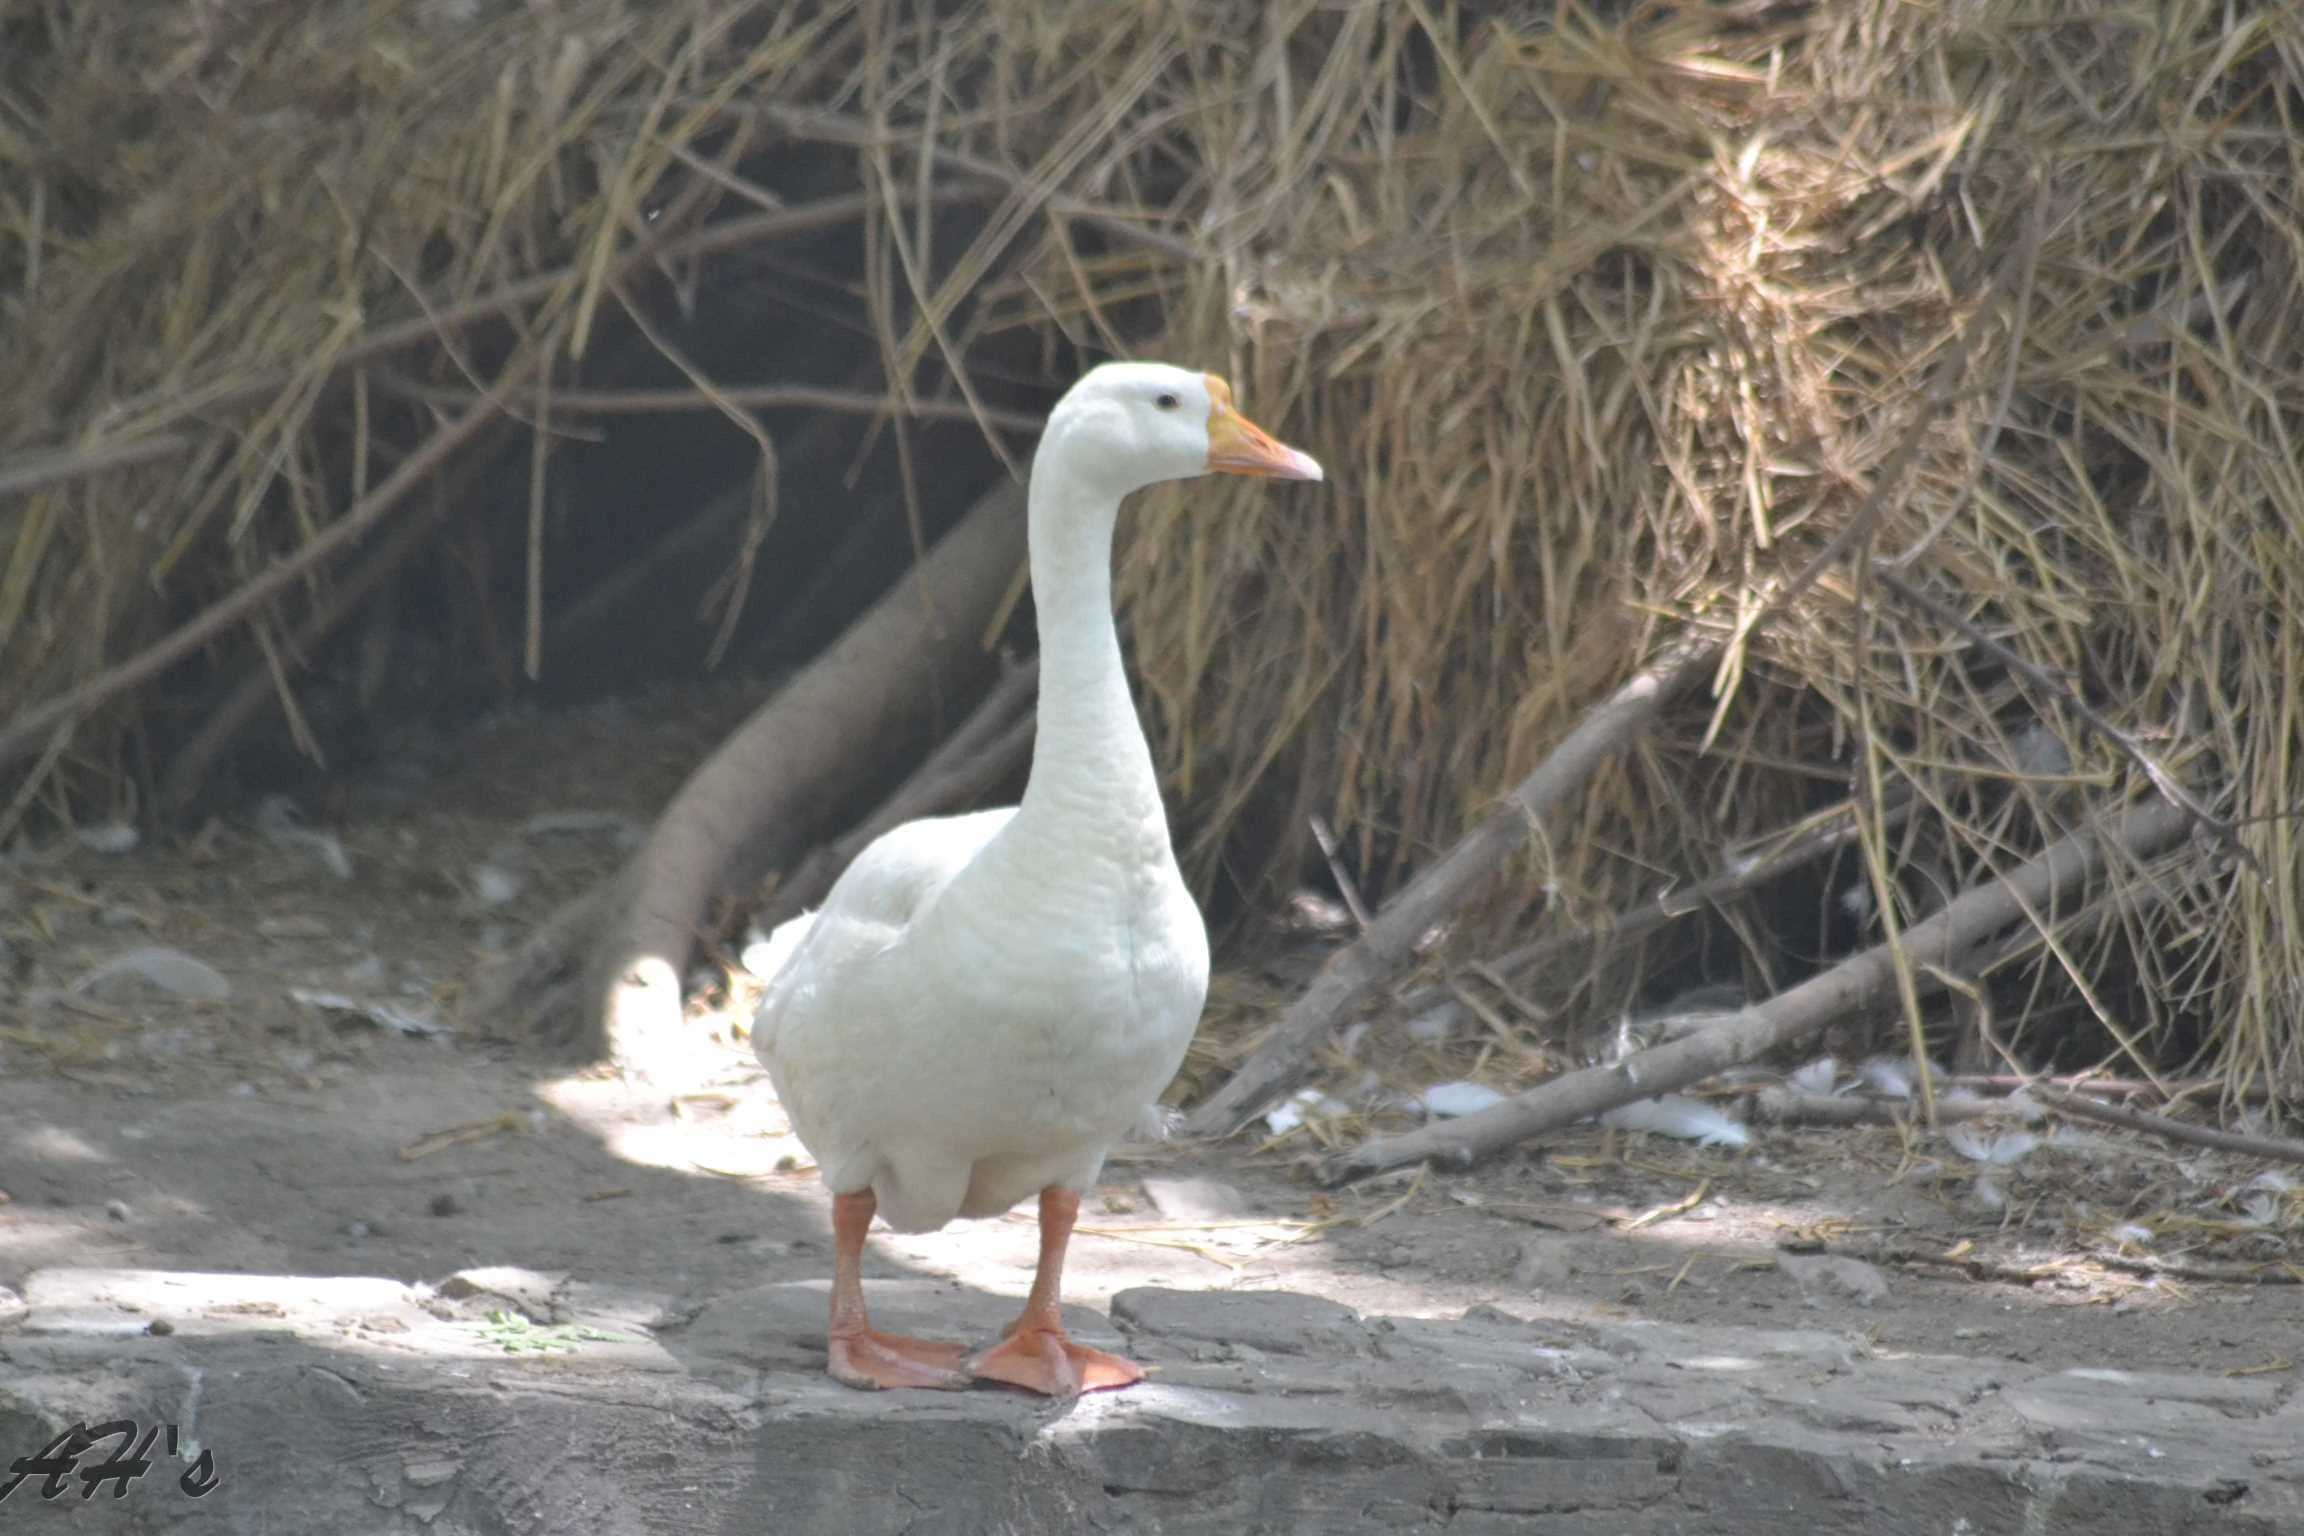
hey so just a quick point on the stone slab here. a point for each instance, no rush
(1268, 1412)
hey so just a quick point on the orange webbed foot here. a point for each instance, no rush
(1048, 1361)
(886, 1360)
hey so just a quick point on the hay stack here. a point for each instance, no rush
(1603, 317)
(1624, 320)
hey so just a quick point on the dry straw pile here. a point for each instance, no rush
(1603, 317)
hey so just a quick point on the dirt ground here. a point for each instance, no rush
(146, 1124)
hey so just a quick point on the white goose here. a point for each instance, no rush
(986, 1003)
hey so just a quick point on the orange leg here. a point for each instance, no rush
(1035, 1352)
(861, 1357)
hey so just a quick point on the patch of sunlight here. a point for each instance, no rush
(56, 1144)
(366, 1314)
(723, 1125)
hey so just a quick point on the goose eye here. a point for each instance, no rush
(1167, 402)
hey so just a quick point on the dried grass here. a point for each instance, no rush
(1600, 319)
(1628, 316)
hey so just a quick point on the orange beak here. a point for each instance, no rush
(1237, 446)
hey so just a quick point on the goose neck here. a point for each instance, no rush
(1090, 752)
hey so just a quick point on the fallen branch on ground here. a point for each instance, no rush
(2080, 1107)
(1814, 838)
(1789, 1106)
(1392, 937)
(2176, 1089)
(2058, 877)
(538, 981)
(773, 786)
(1285, 1054)
(2067, 1270)
(990, 745)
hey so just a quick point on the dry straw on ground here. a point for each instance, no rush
(1601, 316)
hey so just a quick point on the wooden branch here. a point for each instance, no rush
(768, 791)
(990, 745)
(2175, 1090)
(1438, 890)
(536, 986)
(1788, 1106)
(1816, 837)
(1974, 1267)
(2058, 877)
(759, 397)
(2082, 1108)
(30, 729)
(1378, 953)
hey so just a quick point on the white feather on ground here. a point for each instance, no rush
(1447, 1101)
(1820, 1077)
(1679, 1118)
(1973, 1141)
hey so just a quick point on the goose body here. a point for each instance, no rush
(986, 1003)
(964, 1024)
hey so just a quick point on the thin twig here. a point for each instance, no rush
(46, 466)
(1789, 1106)
(2082, 1108)
(1975, 1268)
(2123, 1087)
(760, 397)
(1325, 836)
(839, 128)
(26, 733)
(767, 477)
(1815, 837)
(2095, 719)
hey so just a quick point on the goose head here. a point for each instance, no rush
(1125, 426)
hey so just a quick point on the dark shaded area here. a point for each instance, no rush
(653, 525)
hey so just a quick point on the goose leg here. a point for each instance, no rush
(1035, 1353)
(860, 1356)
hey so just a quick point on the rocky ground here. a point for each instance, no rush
(390, 1276)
